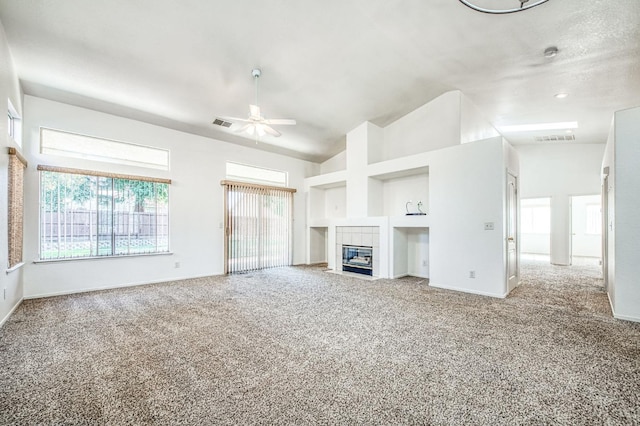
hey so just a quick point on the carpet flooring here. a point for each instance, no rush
(301, 346)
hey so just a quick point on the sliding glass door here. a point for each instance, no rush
(258, 221)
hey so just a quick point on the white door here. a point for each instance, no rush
(513, 273)
(605, 228)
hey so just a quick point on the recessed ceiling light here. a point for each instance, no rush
(540, 126)
(561, 95)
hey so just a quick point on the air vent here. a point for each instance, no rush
(220, 122)
(555, 138)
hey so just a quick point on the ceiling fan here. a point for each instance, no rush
(256, 125)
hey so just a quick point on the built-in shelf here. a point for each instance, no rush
(400, 167)
(409, 221)
(327, 180)
(424, 170)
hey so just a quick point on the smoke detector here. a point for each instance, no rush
(550, 52)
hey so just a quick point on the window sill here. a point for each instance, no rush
(15, 267)
(120, 256)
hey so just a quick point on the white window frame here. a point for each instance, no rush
(77, 145)
(250, 173)
(113, 252)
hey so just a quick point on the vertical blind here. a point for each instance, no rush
(17, 164)
(258, 222)
(85, 213)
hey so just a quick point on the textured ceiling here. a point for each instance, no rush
(330, 65)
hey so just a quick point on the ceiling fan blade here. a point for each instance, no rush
(280, 121)
(249, 128)
(255, 111)
(235, 119)
(271, 130)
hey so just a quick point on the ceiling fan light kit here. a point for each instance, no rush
(524, 5)
(256, 125)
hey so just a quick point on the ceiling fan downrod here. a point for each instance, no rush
(256, 73)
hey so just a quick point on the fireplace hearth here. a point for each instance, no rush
(357, 259)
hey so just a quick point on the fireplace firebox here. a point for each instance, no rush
(358, 259)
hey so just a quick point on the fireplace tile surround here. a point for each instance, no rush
(366, 236)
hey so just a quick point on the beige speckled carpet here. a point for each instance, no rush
(302, 346)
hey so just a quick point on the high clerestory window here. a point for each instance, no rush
(93, 214)
(67, 144)
(14, 124)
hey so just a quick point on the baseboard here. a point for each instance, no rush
(409, 274)
(10, 312)
(626, 318)
(112, 287)
(465, 290)
(620, 317)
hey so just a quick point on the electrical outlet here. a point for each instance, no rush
(472, 274)
(177, 265)
(488, 226)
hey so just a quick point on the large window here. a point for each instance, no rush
(88, 214)
(535, 216)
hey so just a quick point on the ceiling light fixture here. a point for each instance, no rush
(523, 6)
(256, 124)
(540, 126)
(561, 95)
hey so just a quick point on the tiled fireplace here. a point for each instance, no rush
(357, 249)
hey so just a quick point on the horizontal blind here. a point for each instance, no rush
(258, 225)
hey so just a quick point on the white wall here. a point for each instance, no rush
(11, 284)
(473, 124)
(335, 202)
(418, 252)
(334, 164)
(433, 126)
(396, 192)
(318, 244)
(560, 171)
(624, 253)
(359, 142)
(196, 200)
(467, 189)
